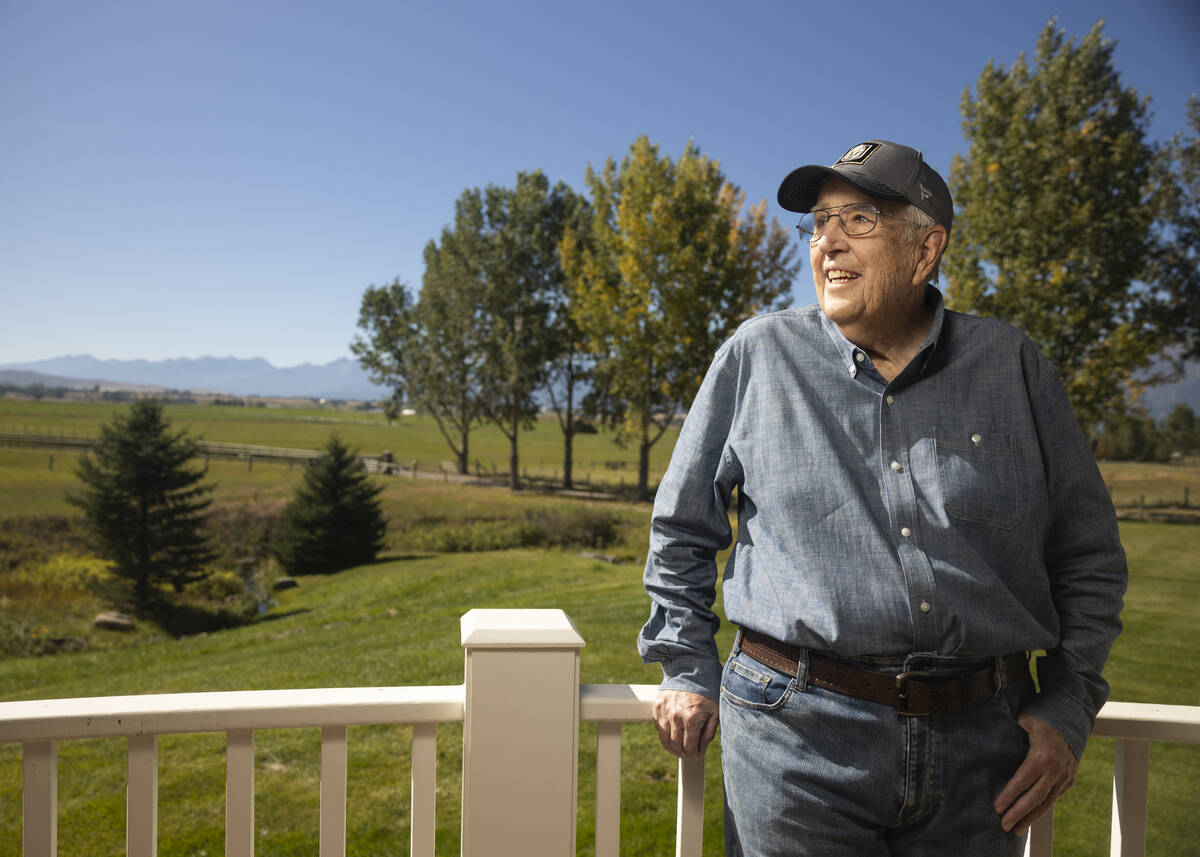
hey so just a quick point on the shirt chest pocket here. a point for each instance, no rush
(979, 478)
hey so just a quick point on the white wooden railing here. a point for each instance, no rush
(521, 705)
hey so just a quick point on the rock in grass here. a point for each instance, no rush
(113, 621)
(285, 583)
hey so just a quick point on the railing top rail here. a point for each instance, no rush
(115, 716)
(221, 711)
(1149, 722)
(610, 703)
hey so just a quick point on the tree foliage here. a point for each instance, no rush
(521, 282)
(145, 507)
(668, 266)
(1057, 197)
(335, 520)
(429, 350)
(1175, 258)
(483, 333)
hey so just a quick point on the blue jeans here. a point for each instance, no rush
(813, 772)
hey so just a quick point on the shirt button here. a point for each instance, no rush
(891, 400)
(905, 531)
(926, 606)
(896, 466)
(853, 371)
(976, 438)
(859, 356)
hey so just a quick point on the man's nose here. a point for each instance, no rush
(832, 237)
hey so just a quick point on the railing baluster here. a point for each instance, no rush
(608, 789)
(1040, 842)
(689, 820)
(333, 791)
(40, 800)
(1131, 771)
(141, 807)
(239, 793)
(424, 790)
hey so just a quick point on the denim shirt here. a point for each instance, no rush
(956, 510)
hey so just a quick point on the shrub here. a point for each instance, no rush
(334, 521)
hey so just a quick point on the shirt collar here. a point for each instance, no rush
(850, 352)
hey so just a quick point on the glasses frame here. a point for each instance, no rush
(836, 211)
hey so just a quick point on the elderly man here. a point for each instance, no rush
(917, 510)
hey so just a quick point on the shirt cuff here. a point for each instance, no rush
(695, 675)
(1065, 716)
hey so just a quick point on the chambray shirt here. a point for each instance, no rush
(956, 510)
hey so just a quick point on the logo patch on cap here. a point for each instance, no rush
(859, 154)
(926, 193)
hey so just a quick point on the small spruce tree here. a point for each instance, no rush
(144, 506)
(335, 520)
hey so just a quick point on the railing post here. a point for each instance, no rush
(520, 733)
(39, 835)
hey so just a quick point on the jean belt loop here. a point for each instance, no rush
(802, 671)
(737, 641)
(1001, 680)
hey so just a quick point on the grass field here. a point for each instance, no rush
(396, 622)
(541, 448)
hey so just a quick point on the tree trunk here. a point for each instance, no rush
(644, 469)
(514, 459)
(569, 427)
(568, 442)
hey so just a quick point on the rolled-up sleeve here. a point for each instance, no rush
(690, 525)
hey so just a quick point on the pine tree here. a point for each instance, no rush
(145, 507)
(335, 520)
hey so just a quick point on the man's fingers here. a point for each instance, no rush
(686, 722)
(1045, 775)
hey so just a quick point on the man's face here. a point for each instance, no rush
(867, 283)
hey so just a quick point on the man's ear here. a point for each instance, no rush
(933, 244)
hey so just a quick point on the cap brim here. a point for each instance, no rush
(800, 189)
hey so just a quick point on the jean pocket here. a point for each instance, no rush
(749, 684)
(979, 478)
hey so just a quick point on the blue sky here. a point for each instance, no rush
(180, 179)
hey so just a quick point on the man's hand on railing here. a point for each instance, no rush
(686, 722)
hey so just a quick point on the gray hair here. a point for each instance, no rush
(919, 220)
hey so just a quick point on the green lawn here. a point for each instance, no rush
(396, 622)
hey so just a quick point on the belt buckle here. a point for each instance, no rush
(901, 704)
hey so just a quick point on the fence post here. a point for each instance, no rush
(521, 724)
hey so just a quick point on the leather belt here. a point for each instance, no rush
(915, 693)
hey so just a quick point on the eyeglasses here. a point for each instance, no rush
(857, 219)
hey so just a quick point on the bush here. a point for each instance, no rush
(334, 521)
(545, 527)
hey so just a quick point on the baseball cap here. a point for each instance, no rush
(881, 169)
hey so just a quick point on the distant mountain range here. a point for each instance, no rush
(341, 379)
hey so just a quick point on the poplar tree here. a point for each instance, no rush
(1056, 198)
(1175, 260)
(145, 507)
(672, 264)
